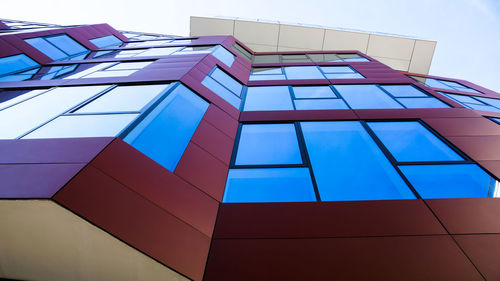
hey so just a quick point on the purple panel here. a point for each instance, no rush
(70, 150)
(35, 180)
(221, 120)
(478, 147)
(414, 113)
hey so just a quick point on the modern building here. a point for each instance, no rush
(135, 156)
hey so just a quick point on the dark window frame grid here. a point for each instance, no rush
(417, 78)
(87, 51)
(310, 60)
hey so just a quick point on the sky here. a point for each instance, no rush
(467, 31)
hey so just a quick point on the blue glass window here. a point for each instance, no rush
(348, 165)
(16, 63)
(450, 181)
(224, 86)
(429, 102)
(496, 120)
(366, 97)
(268, 98)
(312, 104)
(164, 133)
(410, 142)
(269, 185)
(340, 72)
(57, 47)
(267, 73)
(266, 144)
(106, 41)
(403, 91)
(443, 84)
(303, 72)
(490, 101)
(223, 55)
(308, 92)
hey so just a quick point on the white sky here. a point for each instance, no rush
(467, 31)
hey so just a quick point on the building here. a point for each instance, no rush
(132, 156)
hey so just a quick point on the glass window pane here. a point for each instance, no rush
(313, 92)
(46, 48)
(434, 83)
(348, 165)
(450, 181)
(16, 63)
(221, 91)
(106, 41)
(117, 73)
(422, 103)
(266, 59)
(307, 104)
(294, 58)
(337, 69)
(165, 133)
(266, 77)
(262, 144)
(460, 98)
(195, 50)
(19, 98)
(303, 72)
(266, 70)
(268, 98)
(401, 91)
(482, 107)
(65, 43)
(159, 52)
(223, 55)
(269, 185)
(366, 97)
(493, 102)
(124, 98)
(80, 126)
(324, 57)
(89, 70)
(42, 108)
(410, 141)
(496, 120)
(226, 80)
(344, 76)
(130, 65)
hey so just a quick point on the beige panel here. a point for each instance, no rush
(200, 26)
(257, 32)
(39, 240)
(394, 63)
(390, 47)
(345, 40)
(422, 56)
(261, 48)
(293, 36)
(288, 49)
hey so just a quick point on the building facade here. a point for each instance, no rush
(132, 156)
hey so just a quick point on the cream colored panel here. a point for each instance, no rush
(345, 40)
(257, 32)
(422, 56)
(293, 36)
(390, 47)
(288, 49)
(394, 63)
(200, 26)
(261, 48)
(40, 240)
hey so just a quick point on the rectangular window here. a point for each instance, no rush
(477, 103)
(443, 84)
(16, 63)
(109, 41)
(224, 86)
(268, 98)
(242, 51)
(340, 72)
(58, 47)
(366, 97)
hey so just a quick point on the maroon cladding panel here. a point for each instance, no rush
(70, 150)
(137, 221)
(293, 115)
(468, 215)
(3, 25)
(450, 127)
(160, 186)
(7, 49)
(213, 141)
(414, 113)
(492, 166)
(326, 219)
(35, 180)
(406, 258)
(221, 120)
(479, 147)
(203, 170)
(484, 252)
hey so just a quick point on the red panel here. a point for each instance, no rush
(69, 150)
(213, 141)
(468, 215)
(136, 221)
(35, 180)
(160, 186)
(405, 258)
(203, 170)
(463, 126)
(326, 219)
(479, 147)
(221, 120)
(292, 115)
(484, 252)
